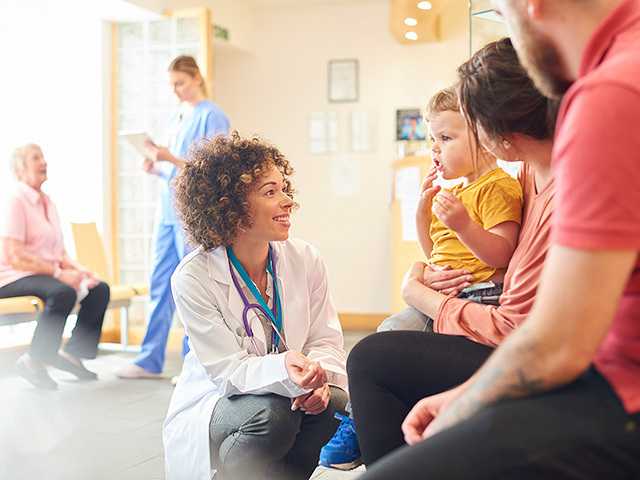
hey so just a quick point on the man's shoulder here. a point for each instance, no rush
(619, 71)
(610, 90)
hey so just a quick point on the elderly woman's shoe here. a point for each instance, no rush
(35, 373)
(75, 368)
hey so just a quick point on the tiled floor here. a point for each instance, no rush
(96, 430)
(99, 430)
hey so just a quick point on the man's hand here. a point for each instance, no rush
(418, 424)
(450, 210)
(313, 403)
(303, 372)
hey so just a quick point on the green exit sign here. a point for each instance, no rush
(220, 32)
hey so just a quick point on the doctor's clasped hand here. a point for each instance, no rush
(303, 372)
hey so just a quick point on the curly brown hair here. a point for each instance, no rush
(213, 187)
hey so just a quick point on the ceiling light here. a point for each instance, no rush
(410, 22)
(411, 36)
(425, 5)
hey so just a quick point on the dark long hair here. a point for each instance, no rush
(497, 94)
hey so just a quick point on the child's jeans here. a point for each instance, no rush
(410, 318)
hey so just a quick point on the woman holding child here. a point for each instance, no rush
(266, 371)
(392, 371)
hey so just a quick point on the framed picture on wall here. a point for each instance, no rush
(410, 125)
(343, 80)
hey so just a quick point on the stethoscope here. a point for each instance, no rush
(274, 314)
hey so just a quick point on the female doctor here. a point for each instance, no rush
(266, 370)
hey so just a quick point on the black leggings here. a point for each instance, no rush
(59, 300)
(390, 371)
(579, 431)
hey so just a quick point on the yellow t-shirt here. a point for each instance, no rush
(492, 199)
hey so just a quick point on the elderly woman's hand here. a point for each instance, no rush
(71, 277)
(90, 277)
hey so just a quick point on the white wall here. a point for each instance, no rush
(52, 87)
(273, 90)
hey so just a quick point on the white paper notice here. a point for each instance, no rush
(407, 192)
(361, 132)
(323, 132)
(345, 176)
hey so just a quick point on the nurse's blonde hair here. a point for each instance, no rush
(187, 64)
(19, 157)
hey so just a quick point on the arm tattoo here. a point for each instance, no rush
(513, 371)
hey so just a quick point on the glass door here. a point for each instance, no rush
(144, 102)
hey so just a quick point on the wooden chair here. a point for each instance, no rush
(90, 252)
(19, 309)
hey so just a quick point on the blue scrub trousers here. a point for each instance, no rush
(169, 249)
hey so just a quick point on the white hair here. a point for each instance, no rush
(19, 156)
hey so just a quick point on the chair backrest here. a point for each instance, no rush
(90, 250)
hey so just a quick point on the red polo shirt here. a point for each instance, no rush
(597, 169)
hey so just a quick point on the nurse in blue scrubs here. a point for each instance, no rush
(200, 119)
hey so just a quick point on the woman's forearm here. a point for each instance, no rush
(423, 298)
(27, 262)
(70, 264)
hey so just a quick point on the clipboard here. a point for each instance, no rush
(137, 141)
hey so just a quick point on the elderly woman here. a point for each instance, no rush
(33, 261)
(266, 370)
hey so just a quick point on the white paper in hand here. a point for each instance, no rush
(137, 140)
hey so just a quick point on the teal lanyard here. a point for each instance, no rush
(275, 313)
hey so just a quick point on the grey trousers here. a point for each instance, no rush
(259, 437)
(408, 319)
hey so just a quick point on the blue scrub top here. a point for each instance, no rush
(205, 121)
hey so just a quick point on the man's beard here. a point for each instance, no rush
(543, 63)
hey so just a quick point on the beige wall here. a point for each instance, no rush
(272, 91)
(235, 15)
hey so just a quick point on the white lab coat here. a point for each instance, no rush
(222, 360)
